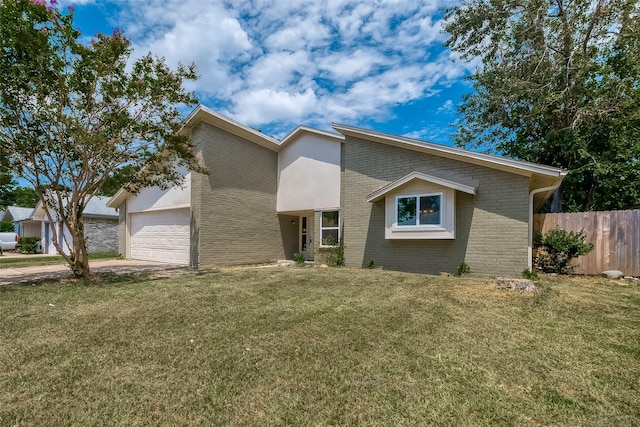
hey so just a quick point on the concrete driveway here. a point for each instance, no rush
(61, 271)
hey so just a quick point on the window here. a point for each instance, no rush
(329, 228)
(419, 210)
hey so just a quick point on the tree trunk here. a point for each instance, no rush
(79, 256)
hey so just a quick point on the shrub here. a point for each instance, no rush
(299, 259)
(6, 226)
(29, 245)
(529, 273)
(463, 268)
(558, 248)
(332, 256)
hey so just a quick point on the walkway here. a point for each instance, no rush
(61, 271)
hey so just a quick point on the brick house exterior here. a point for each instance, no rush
(265, 199)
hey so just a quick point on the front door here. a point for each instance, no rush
(47, 238)
(306, 237)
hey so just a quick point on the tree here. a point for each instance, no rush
(119, 179)
(558, 84)
(7, 183)
(25, 197)
(72, 114)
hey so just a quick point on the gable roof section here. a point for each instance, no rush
(496, 162)
(96, 208)
(204, 114)
(16, 213)
(294, 134)
(381, 192)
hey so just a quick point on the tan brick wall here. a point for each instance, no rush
(491, 227)
(234, 219)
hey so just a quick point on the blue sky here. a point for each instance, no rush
(273, 65)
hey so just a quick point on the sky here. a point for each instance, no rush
(276, 64)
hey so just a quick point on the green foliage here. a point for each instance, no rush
(462, 269)
(531, 274)
(75, 114)
(29, 245)
(558, 84)
(333, 256)
(7, 183)
(299, 259)
(6, 227)
(119, 179)
(371, 264)
(558, 248)
(25, 197)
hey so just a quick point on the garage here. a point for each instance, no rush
(161, 236)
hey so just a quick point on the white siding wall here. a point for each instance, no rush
(152, 199)
(309, 174)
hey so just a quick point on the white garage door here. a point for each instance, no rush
(161, 236)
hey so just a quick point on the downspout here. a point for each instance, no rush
(531, 194)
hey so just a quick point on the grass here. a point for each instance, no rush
(289, 346)
(35, 261)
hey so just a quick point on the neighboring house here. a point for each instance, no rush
(403, 203)
(100, 228)
(23, 224)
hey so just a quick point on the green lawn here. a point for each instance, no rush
(310, 346)
(38, 260)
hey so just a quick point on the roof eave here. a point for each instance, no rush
(514, 166)
(380, 193)
(116, 200)
(306, 129)
(204, 114)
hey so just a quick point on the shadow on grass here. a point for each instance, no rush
(95, 279)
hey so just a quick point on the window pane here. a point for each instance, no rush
(430, 210)
(406, 211)
(329, 237)
(330, 219)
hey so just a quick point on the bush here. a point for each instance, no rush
(6, 226)
(558, 248)
(463, 268)
(332, 256)
(299, 259)
(531, 274)
(29, 245)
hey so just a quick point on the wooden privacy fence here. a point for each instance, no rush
(614, 234)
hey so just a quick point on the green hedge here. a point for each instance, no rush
(29, 245)
(6, 226)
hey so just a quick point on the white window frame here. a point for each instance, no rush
(417, 213)
(444, 231)
(322, 245)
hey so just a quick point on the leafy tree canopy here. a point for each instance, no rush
(25, 197)
(74, 113)
(558, 83)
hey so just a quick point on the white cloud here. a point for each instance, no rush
(349, 66)
(447, 107)
(255, 107)
(269, 62)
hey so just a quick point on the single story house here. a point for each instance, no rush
(23, 224)
(100, 228)
(402, 203)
